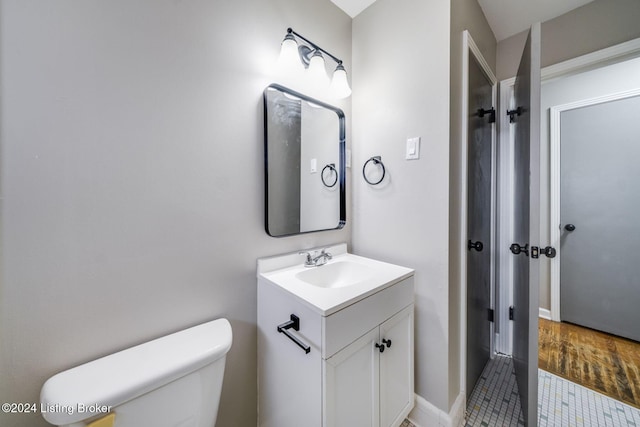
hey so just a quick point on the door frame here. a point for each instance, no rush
(617, 53)
(554, 183)
(469, 47)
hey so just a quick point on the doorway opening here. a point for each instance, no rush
(552, 225)
(479, 213)
(520, 371)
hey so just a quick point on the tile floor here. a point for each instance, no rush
(563, 403)
(494, 402)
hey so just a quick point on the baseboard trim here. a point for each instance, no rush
(544, 313)
(425, 414)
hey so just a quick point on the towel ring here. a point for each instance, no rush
(377, 160)
(331, 167)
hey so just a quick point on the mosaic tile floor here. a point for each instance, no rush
(563, 403)
(494, 402)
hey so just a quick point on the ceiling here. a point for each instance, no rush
(506, 17)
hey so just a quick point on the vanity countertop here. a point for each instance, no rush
(345, 280)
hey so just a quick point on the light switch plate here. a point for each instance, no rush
(313, 166)
(413, 148)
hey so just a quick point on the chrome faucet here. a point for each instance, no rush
(316, 260)
(324, 257)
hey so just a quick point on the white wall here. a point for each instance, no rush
(614, 78)
(401, 90)
(132, 178)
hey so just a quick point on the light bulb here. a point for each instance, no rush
(289, 60)
(339, 84)
(317, 72)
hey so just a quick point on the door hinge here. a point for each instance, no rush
(490, 316)
(511, 313)
(513, 113)
(491, 113)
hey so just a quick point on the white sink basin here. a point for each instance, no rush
(342, 281)
(335, 275)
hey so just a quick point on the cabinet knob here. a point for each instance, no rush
(387, 342)
(380, 347)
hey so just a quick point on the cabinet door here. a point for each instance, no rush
(289, 380)
(351, 384)
(396, 368)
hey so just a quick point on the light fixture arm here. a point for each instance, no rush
(315, 46)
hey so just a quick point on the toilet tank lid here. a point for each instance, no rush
(84, 391)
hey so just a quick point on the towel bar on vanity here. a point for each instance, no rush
(294, 324)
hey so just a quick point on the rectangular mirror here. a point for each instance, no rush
(304, 163)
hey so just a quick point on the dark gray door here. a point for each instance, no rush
(527, 225)
(479, 185)
(599, 195)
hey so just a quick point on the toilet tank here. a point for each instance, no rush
(173, 381)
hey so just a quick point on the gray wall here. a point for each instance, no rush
(465, 15)
(594, 26)
(132, 178)
(401, 90)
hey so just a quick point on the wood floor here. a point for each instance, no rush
(602, 362)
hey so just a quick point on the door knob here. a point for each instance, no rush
(478, 246)
(387, 342)
(516, 249)
(549, 251)
(569, 227)
(380, 347)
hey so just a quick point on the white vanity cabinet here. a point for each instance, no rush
(368, 387)
(345, 379)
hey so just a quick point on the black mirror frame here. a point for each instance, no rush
(341, 166)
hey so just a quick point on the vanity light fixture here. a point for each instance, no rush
(289, 56)
(310, 56)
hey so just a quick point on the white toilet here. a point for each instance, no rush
(173, 381)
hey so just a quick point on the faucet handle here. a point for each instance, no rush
(326, 254)
(308, 260)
